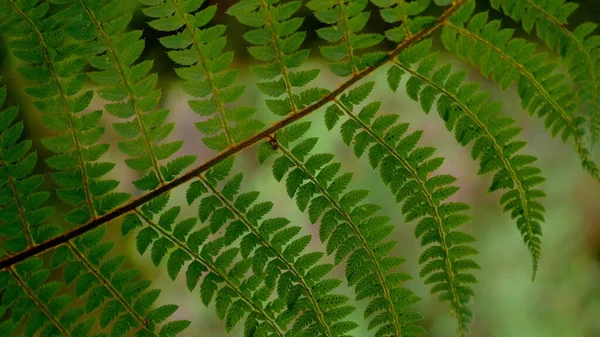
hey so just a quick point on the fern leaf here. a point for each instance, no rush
(576, 47)
(115, 297)
(346, 20)
(276, 41)
(128, 84)
(57, 71)
(406, 14)
(23, 212)
(514, 60)
(350, 229)
(223, 277)
(475, 119)
(407, 170)
(285, 250)
(205, 67)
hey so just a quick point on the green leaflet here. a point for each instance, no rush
(23, 211)
(475, 119)
(346, 20)
(407, 170)
(120, 300)
(275, 39)
(510, 61)
(350, 229)
(577, 47)
(206, 68)
(114, 61)
(59, 97)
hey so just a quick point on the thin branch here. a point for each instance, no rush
(232, 150)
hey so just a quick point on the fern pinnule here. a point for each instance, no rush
(406, 15)
(405, 169)
(130, 88)
(57, 71)
(285, 248)
(276, 41)
(350, 229)
(276, 252)
(576, 47)
(475, 119)
(39, 304)
(23, 212)
(346, 20)
(513, 60)
(205, 67)
(123, 301)
(177, 243)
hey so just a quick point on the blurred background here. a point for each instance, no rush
(563, 301)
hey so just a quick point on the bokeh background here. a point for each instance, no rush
(563, 301)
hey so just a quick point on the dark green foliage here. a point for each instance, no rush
(59, 276)
(23, 211)
(351, 229)
(577, 47)
(507, 61)
(407, 170)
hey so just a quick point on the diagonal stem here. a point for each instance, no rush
(232, 150)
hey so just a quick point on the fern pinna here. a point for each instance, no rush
(61, 278)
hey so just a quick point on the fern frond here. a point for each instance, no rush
(56, 67)
(514, 60)
(177, 243)
(206, 69)
(128, 84)
(576, 47)
(192, 174)
(276, 40)
(346, 20)
(350, 228)
(23, 212)
(458, 294)
(406, 170)
(475, 119)
(277, 256)
(285, 249)
(121, 303)
(406, 14)
(27, 298)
